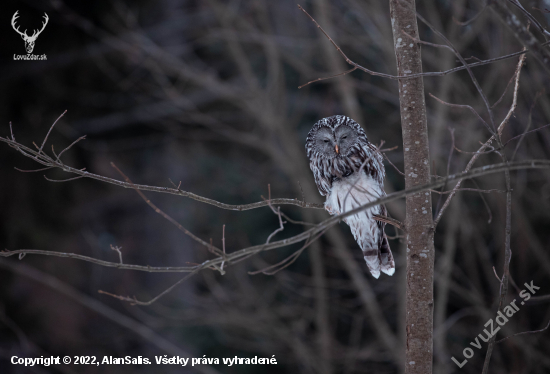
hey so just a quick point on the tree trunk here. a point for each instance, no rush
(419, 221)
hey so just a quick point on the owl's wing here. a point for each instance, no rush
(323, 179)
(373, 160)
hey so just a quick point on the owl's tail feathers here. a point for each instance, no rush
(380, 259)
(372, 258)
(387, 264)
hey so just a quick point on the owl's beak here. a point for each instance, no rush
(336, 149)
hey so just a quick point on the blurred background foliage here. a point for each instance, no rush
(206, 93)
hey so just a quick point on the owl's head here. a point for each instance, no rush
(336, 136)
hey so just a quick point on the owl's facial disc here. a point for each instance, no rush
(325, 143)
(345, 139)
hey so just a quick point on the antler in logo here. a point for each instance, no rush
(29, 40)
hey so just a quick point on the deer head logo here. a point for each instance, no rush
(29, 40)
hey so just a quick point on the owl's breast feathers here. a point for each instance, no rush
(328, 170)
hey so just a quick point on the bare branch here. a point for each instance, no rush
(330, 77)
(390, 221)
(410, 76)
(539, 94)
(70, 146)
(134, 301)
(64, 180)
(487, 143)
(525, 332)
(118, 265)
(281, 226)
(47, 161)
(485, 201)
(531, 18)
(223, 247)
(33, 171)
(50, 130)
(117, 249)
(467, 189)
(395, 167)
(522, 33)
(466, 23)
(525, 133)
(514, 98)
(505, 90)
(287, 261)
(508, 227)
(461, 106)
(245, 252)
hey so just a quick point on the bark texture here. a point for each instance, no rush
(419, 221)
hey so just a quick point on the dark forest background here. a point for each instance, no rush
(206, 93)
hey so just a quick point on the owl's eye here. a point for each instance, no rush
(344, 137)
(326, 141)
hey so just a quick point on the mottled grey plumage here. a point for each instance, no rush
(349, 171)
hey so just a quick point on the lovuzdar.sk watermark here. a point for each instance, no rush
(501, 319)
(29, 39)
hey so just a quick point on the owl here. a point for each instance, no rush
(349, 171)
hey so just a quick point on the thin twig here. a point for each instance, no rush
(330, 77)
(118, 265)
(481, 192)
(462, 106)
(390, 221)
(296, 222)
(496, 275)
(452, 132)
(50, 130)
(466, 23)
(505, 90)
(539, 298)
(33, 171)
(416, 40)
(491, 150)
(514, 100)
(539, 94)
(544, 32)
(525, 133)
(117, 249)
(289, 260)
(525, 332)
(391, 163)
(286, 262)
(11, 132)
(134, 301)
(223, 247)
(466, 189)
(278, 213)
(64, 180)
(70, 146)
